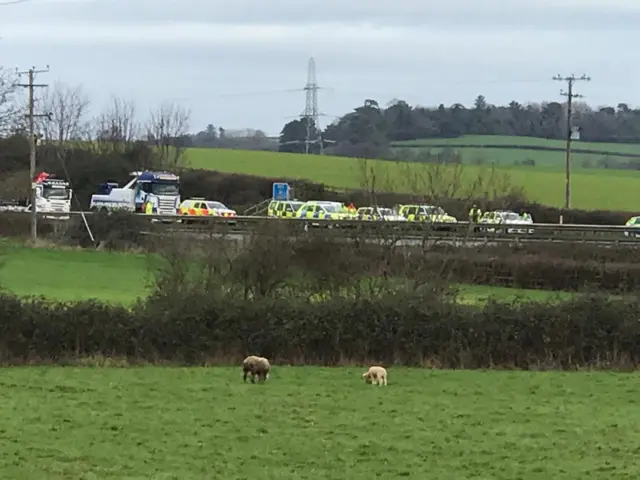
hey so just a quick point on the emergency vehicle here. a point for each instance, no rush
(283, 208)
(53, 196)
(323, 210)
(426, 213)
(162, 189)
(507, 220)
(379, 213)
(634, 231)
(199, 207)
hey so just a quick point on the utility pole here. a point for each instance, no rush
(31, 115)
(570, 96)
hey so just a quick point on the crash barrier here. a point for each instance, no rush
(459, 231)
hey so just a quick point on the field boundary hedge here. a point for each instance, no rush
(589, 332)
(502, 146)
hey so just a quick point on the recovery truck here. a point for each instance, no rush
(162, 189)
(53, 197)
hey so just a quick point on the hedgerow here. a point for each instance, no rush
(398, 329)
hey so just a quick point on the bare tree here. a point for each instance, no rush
(376, 176)
(8, 107)
(167, 128)
(67, 106)
(116, 127)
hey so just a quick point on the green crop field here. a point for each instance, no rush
(592, 189)
(69, 275)
(316, 423)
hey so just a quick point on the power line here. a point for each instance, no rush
(31, 115)
(570, 96)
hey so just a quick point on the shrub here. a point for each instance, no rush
(405, 329)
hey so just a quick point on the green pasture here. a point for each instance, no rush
(592, 189)
(510, 157)
(524, 142)
(70, 275)
(474, 149)
(316, 423)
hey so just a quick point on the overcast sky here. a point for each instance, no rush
(243, 63)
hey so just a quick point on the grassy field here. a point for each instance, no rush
(592, 189)
(629, 148)
(204, 423)
(475, 148)
(69, 275)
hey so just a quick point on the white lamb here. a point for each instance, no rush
(256, 366)
(375, 375)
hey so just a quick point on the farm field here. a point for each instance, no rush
(70, 275)
(306, 422)
(474, 148)
(629, 148)
(509, 158)
(592, 189)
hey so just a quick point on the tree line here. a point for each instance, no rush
(370, 129)
(367, 131)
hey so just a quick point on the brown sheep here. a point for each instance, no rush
(375, 375)
(256, 366)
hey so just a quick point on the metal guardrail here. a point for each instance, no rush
(411, 230)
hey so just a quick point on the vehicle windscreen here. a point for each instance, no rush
(296, 206)
(332, 208)
(511, 216)
(216, 205)
(56, 193)
(385, 211)
(165, 188)
(433, 210)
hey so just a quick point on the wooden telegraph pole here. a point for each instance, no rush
(31, 116)
(570, 96)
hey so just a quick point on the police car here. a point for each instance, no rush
(507, 220)
(283, 208)
(634, 231)
(323, 210)
(379, 214)
(428, 214)
(199, 207)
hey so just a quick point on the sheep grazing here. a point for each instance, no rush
(375, 375)
(256, 366)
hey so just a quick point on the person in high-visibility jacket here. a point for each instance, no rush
(148, 208)
(474, 214)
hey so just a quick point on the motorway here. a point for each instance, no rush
(404, 233)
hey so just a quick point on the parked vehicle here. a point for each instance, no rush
(634, 227)
(500, 221)
(162, 189)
